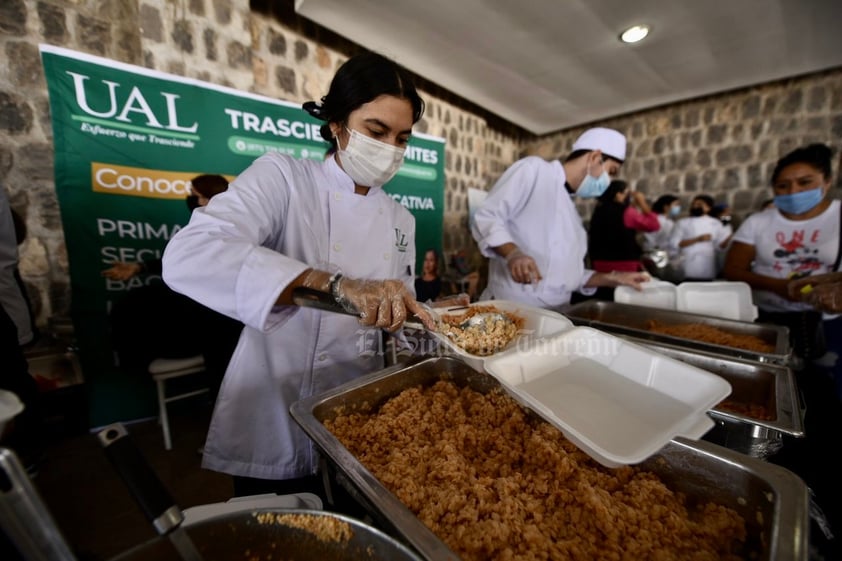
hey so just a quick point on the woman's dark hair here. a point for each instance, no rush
(361, 79)
(616, 186)
(707, 199)
(663, 202)
(209, 185)
(815, 155)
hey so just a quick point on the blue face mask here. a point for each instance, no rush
(799, 203)
(592, 187)
(675, 211)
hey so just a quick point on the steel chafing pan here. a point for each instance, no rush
(772, 500)
(626, 319)
(755, 387)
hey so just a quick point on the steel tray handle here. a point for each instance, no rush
(147, 490)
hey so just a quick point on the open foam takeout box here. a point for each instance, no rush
(722, 299)
(617, 401)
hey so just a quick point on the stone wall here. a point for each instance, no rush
(725, 145)
(722, 145)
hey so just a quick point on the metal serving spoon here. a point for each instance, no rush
(482, 320)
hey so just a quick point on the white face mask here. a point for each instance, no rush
(369, 162)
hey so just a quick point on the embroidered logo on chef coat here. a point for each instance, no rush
(400, 240)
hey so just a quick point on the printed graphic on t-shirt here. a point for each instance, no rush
(798, 252)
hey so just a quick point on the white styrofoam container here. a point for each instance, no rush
(654, 294)
(538, 324)
(199, 513)
(722, 299)
(617, 401)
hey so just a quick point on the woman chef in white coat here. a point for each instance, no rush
(327, 225)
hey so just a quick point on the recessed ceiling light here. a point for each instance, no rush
(634, 34)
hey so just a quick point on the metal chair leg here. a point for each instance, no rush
(162, 413)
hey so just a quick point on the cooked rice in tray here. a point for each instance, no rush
(486, 339)
(496, 483)
(711, 334)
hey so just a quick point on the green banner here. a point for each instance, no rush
(127, 142)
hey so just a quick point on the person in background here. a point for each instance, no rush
(696, 240)
(722, 212)
(530, 229)
(428, 285)
(16, 331)
(619, 216)
(667, 208)
(786, 255)
(799, 238)
(152, 321)
(202, 189)
(468, 268)
(324, 225)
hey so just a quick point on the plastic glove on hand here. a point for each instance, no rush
(522, 267)
(798, 289)
(633, 280)
(379, 303)
(825, 297)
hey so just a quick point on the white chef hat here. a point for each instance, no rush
(610, 142)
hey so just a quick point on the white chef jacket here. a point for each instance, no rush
(278, 218)
(530, 207)
(699, 259)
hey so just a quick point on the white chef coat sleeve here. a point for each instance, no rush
(220, 260)
(586, 276)
(721, 234)
(504, 201)
(677, 235)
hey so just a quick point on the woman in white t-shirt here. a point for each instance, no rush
(796, 239)
(800, 239)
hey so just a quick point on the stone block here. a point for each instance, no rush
(716, 133)
(53, 22)
(13, 17)
(285, 78)
(209, 39)
(816, 99)
(15, 114)
(24, 63)
(750, 107)
(301, 50)
(94, 34)
(238, 55)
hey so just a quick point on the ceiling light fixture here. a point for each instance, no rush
(634, 34)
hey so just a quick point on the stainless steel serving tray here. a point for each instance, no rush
(626, 319)
(771, 386)
(772, 500)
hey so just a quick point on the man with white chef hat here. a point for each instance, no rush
(529, 227)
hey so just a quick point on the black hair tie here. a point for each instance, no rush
(314, 109)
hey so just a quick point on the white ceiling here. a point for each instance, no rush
(547, 65)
